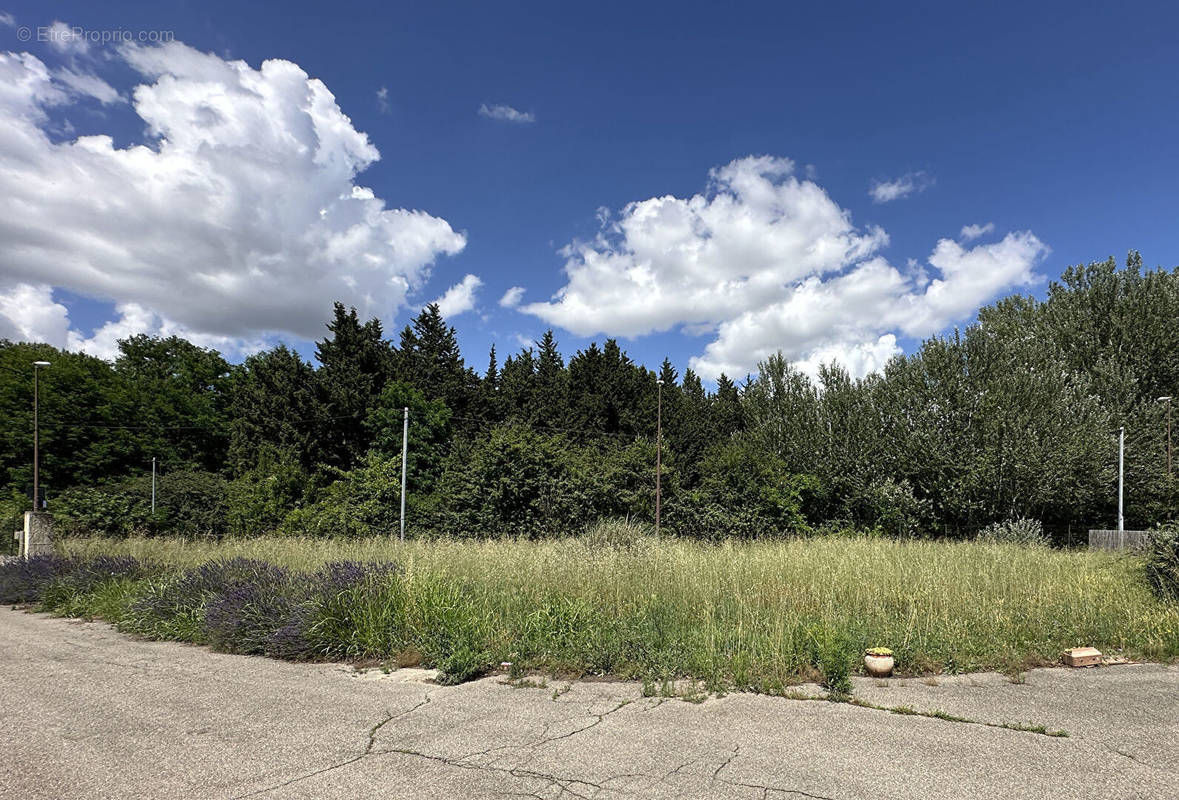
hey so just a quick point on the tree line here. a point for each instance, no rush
(1012, 417)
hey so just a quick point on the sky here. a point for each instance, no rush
(707, 182)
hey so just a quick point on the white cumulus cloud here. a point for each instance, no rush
(766, 261)
(512, 297)
(7, 19)
(238, 217)
(887, 191)
(460, 297)
(64, 39)
(505, 113)
(972, 232)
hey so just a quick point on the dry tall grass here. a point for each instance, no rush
(754, 614)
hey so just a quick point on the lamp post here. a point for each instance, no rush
(404, 454)
(658, 457)
(1121, 475)
(1167, 400)
(36, 437)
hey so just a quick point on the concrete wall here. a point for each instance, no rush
(37, 537)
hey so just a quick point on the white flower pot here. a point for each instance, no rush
(878, 666)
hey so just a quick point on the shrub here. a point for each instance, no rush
(514, 482)
(245, 616)
(744, 492)
(76, 578)
(361, 502)
(353, 610)
(188, 503)
(1015, 531)
(893, 507)
(1162, 561)
(261, 497)
(173, 607)
(833, 656)
(22, 580)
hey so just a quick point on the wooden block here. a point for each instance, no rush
(1082, 657)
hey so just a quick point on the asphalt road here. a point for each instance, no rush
(90, 713)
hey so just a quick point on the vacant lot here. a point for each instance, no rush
(759, 616)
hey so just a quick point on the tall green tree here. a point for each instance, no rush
(355, 362)
(429, 359)
(276, 405)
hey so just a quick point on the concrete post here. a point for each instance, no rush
(37, 537)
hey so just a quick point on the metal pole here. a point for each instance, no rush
(1121, 475)
(404, 453)
(1169, 437)
(658, 458)
(37, 436)
(153, 485)
(36, 446)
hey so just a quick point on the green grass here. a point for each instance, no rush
(758, 616)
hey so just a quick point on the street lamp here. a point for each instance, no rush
(658, 456)
(36, 434)
(1167, 400)
(1121, 475)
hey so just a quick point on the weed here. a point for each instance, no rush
(760, 616)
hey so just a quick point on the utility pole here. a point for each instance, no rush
(404, 453)
(1121, 475)
(1167, 400)
(658, 457)
(153, 485)
(36, 438)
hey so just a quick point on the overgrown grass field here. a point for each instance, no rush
(758, 616)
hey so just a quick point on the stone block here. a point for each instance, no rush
(37, 537)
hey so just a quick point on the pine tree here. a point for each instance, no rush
(275, 404)
(430, 360)
(355, 362)
(490, 400)
(552, 386)
(694, 428)
(727, 414)
(518, 387)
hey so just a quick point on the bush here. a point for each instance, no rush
(78, 577)
(833, 655)
(188, 503)
(744, 492)
(515, 482)
(365, 501)
(893, 507)
(261, 498)
(1162, 561)
(173, 607)
(22, 580)
(247, 614)
(1015, 531)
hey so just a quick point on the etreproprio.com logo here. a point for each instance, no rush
(66, 36)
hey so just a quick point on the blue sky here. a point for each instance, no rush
(1054, 122)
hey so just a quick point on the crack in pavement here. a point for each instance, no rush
(765, 790)
(563, 783)
(729, 760)
(544, 737)
(368, 750)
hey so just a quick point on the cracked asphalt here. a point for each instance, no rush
(87, 712)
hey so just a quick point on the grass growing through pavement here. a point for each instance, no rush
(758, 616)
